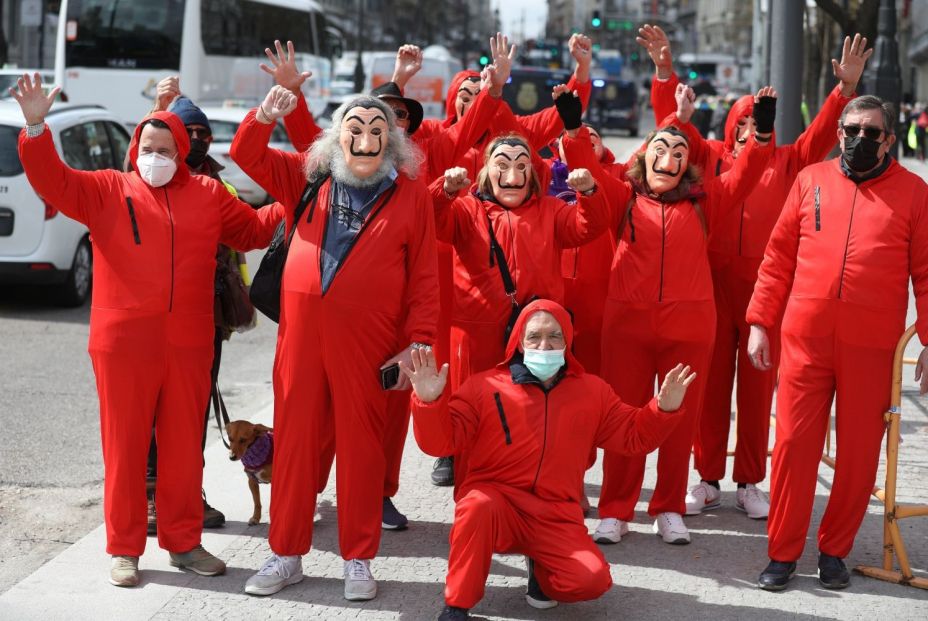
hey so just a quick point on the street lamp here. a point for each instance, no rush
(883, 77)
(359, 65)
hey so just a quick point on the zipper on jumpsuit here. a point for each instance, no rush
(544, 441)
(171, 220)
(847, 242)
(660, 291)
(384, 198)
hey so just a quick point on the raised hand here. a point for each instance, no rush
(456, 180)
(854, 55)
(502, 55)
(569, 107)
(279, 102)
(655, 41)
(166, 92)
(765, 110)
(408, 63)
(427, 380)
(581, 180)
(686, 102)
(34, 103)
(285, 72)
(581, 48)
(673, 389)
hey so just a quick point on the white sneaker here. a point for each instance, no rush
(610, 530)
(359, 583)
(702, 497)
(753, 502)
(671, 528)
(276, 573)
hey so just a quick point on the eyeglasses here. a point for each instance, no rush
(870, 132)
(401, 114)
(199, 132)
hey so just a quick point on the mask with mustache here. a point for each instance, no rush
(666, 159)
(363, 139)
(510, 170)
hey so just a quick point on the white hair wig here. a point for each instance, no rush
(326, 156)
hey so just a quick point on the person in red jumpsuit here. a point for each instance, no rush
(736, 248)
(526, 427)
(852, 232)
(360, 284)
(155, 232)
(659, 307)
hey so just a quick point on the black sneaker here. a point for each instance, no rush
(535, 597)
(392, 519)
(443, 472)
(776, 575)
(212, 518)
(453, 613)
(832, 572)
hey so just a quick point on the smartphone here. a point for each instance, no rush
(390, 376)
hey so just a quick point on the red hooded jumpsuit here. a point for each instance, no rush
(838, 262)
(736, 248)
(660, 312)
(330, 345)
(151, 323)
(527, 449)
(443, 146)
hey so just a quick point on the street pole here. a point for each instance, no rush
(786, 66)
(359, 65)
(883, 77)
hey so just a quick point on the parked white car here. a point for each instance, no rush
(39, 244)
(224, 122)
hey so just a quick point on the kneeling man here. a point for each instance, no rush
(526, 429)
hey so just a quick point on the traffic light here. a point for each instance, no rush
(693, 74)
(484, 60)
(597, 20)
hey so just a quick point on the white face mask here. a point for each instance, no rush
(156, 169)
(543, 363)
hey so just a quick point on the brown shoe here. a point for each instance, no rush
(199, 561)
(124, 571)
(212, 518)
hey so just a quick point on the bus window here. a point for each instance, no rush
(244, 28)
(131, 35)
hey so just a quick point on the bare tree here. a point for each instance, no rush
(863, 20)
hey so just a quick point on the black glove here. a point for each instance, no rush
(765, 112)
(570, 108)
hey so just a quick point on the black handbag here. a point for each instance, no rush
(265, 286)
(497, 255)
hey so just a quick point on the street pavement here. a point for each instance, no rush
(711, 578)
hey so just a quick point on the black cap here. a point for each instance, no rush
(390, 90)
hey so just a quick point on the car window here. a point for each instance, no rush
(10, 166)
(120, 140)
(87, 147)
(223, 131)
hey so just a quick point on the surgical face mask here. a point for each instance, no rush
(155, 169)
(543, 363)
(860, 153)
(197, 155)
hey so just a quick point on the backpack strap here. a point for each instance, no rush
(497, 255)
(627, 220)
(310, 193)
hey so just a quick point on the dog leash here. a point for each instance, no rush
(219, 408)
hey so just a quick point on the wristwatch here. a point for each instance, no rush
(33, 131)
(416, 345)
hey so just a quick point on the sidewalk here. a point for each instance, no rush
(711, 578)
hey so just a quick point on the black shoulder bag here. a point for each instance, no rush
(265, 286)
(497, 255)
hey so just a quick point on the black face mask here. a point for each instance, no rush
(197, 155)
(861, 154)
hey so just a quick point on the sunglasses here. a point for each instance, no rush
(870, 132)
(197, 132)
(401, 114)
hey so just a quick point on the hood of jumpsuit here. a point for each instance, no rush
(451, 115)
(178, 131)
(563, 318)
(740, 109)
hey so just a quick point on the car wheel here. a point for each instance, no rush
(76, 287)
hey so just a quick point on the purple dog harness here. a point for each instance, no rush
(258, 455)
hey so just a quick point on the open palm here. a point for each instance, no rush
(285, 71)
(428, 382)
(854, 55)
(673, 389)
(34, 103)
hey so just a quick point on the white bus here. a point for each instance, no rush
(114, 52)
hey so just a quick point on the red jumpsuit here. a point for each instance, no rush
(330, 346)
(660, 312)
(527, 449)
(736, 248)
(442, 146)
(531, 236)
(838, 263)
(151, 324)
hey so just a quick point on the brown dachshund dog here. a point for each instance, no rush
(253, 445)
